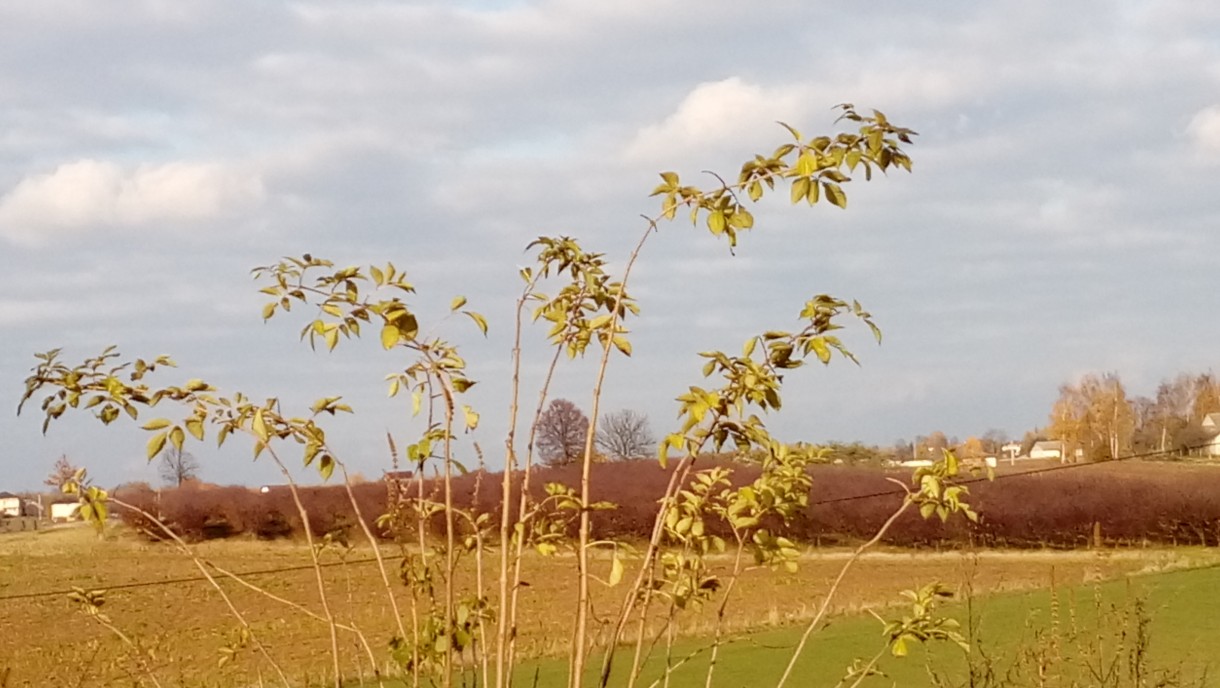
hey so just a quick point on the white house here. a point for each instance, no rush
(1047, 449)
(65, 511)
(1211, 425)
(10, 504)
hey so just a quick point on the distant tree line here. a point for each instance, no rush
(1097, 416)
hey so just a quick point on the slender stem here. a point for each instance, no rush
(450, 526)
(304, 610)
(834, 588)
(504, 624)
(313, 555)
(576, 680)
(868, 668)
(139, 656)
(646, 576)
(677, 665)
(199, 564)
(724, 604)
(478, 647)
(523, 512)
(372, 539)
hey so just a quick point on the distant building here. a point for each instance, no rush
(1211, 426)
(1047, 449)
(62, 512)
(10, 504)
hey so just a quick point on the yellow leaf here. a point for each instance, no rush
(622, 345)
(157, 424)
(177, 437)
(479, 321)
(259, 426)
(616, 571)
(195, 427)
(800, 188)
(155, 444)
(458, 302)
(389, 336)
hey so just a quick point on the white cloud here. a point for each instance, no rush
(1204, 131)
(90, 194)
(714, 113)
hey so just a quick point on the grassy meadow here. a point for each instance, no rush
(183, 626)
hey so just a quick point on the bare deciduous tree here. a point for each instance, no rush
(625, 435)
(61, 473)
(178, 466)
(562, 429)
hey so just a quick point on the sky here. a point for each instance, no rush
(1061, 217)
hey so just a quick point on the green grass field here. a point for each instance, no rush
(1183, 605)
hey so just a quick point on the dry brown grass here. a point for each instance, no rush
(186, 624)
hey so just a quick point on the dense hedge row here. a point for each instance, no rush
(1128, 503)
(200, 512)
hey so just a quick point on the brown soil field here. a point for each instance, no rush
(183, 626)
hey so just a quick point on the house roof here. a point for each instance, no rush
(1212, 419)
(1048, 444)
(8, 495)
